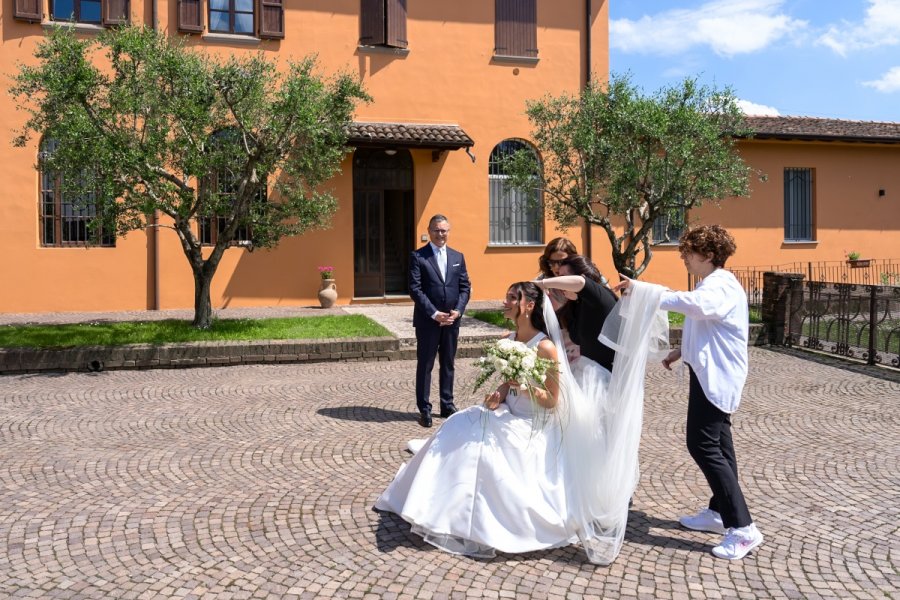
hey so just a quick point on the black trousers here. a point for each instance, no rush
(712, 448)
(435, 342)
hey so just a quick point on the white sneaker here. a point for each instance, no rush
(705, 520)
(738, 542)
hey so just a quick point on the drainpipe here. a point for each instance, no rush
(154, 229)
(588, 250)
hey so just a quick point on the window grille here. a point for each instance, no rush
(515, 216)
(798, 204)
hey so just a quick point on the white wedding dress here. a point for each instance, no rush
(487, 480)
(523, 478)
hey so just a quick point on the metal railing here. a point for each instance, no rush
(846, 319)
(882, 271)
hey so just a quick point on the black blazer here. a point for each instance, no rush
(430, 292)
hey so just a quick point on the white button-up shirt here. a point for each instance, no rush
(715, 335)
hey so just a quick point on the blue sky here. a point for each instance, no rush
(817, 58)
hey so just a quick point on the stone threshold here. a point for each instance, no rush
(217, 354)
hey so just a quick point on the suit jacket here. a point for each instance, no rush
(429, 290)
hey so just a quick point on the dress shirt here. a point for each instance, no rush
(440, 254)
(715, 335)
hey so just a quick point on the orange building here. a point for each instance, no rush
(449, 81)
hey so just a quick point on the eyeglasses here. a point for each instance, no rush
(440, 231)
(554, 262)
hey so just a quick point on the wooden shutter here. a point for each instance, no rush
(190, 16)
(515, 28)
(396, 23)
(371, 22)
(28, 10)
(115, 12)
(271, 19)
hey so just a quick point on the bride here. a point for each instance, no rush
(525, 472)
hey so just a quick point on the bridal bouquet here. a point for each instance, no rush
(513, 361)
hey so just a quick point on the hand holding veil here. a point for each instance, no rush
(601, 418)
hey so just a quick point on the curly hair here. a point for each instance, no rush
(526, 290)
(559, 244)
(708, 240)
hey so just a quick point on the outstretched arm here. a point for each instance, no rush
(568, 283)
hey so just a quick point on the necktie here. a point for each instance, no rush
(442, 262)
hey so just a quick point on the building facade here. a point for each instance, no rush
(449, 82)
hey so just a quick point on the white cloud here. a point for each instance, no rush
(757, 110)
(889, 82)
(880, 27)
(728, 27)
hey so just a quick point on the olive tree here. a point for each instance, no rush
(141, 123)
(620, 160)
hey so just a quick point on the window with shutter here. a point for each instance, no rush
(190, 16)
(383, 23)
(515, 28)
(271, 19)
(28, 10)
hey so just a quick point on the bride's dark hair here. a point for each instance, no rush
(530, 291)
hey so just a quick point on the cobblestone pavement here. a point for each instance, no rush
(258, 482)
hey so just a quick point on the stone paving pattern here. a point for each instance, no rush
(258, 481)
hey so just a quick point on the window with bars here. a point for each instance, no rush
(515, 216)
(515, 28)
(669, 226)
(798, 205)
(382, 23)
(224, 184)
(68, 218)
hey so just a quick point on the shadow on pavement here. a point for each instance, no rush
(887, 373)
(366, 413)
(639, 529)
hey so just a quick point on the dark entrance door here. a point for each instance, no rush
(383, 228)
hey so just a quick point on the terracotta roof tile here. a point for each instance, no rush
(412, 135)
(809, 128)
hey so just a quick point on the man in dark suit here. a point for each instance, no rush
(439, 285)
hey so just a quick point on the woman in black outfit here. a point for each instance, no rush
(590, 303)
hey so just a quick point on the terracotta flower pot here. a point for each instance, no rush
(328, 293)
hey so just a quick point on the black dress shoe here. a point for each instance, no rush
(446, 412)
(425, 419)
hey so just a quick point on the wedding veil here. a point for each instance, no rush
(601, 419)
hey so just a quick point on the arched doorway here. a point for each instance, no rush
(383, 221)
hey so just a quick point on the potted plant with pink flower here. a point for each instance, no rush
(328, 290)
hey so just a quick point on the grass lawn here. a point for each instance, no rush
(174, 331)
(495, 317)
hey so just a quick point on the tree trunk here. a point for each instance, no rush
(202, 306)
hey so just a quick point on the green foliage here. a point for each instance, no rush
(612, 152)
(144, 124)
(172, 331)
(494, 317)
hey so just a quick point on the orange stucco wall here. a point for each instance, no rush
(848, 212)
(447, 77)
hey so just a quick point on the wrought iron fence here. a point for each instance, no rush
(882, 271)
(847, 319)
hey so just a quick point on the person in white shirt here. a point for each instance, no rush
(714, 347)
